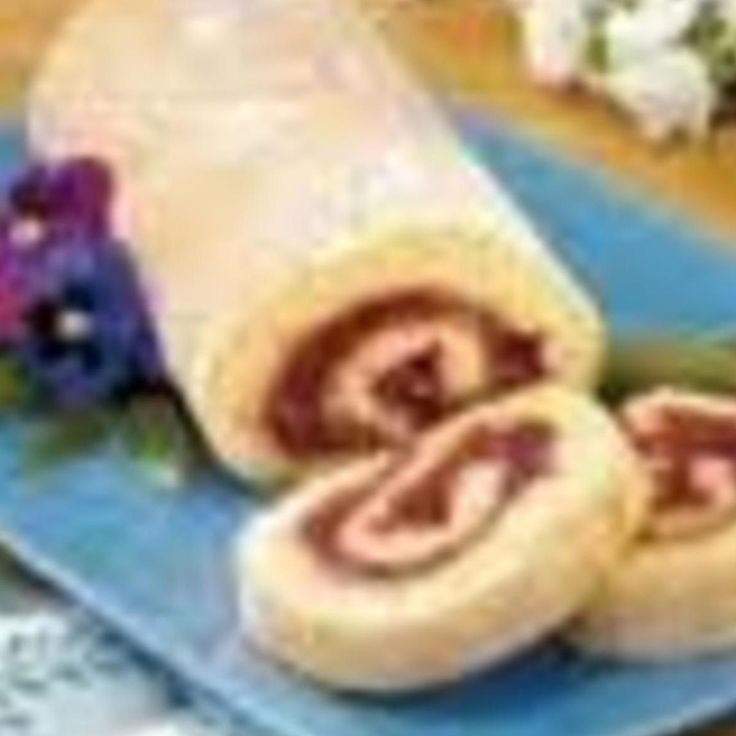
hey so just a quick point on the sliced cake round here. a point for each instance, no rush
(417, 566)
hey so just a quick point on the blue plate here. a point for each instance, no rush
(155, 563)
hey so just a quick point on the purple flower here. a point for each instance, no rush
(44, 205)
(49, 200)
(87, 336)
(70, 306)
(11, 307)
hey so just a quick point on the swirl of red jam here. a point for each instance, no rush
(690, 453)
(415, 500)
(410, 390)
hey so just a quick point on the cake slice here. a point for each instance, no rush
(674, 596)
(417, 566)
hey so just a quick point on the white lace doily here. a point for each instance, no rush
(63, 674)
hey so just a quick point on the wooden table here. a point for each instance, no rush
(27, 25)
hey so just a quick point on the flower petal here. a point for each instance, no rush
(668, 93)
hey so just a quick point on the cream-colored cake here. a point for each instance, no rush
(415, 567)
(278, 176)
(675, 594)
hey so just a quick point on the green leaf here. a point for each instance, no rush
(641, 363)
(596, 51)
(15, 392)
(65, 436)
(714, 40)
(155, 432)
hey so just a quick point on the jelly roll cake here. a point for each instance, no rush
(419, 565)
(328, 271)
(674, 595)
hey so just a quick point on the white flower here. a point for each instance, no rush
(666, 93)
(634, 34)
(727, 11)
(555, 35)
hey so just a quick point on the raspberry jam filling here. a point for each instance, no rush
(691, 455)
(384, 369)
(418, 511)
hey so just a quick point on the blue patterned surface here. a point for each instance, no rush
(155, 563)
